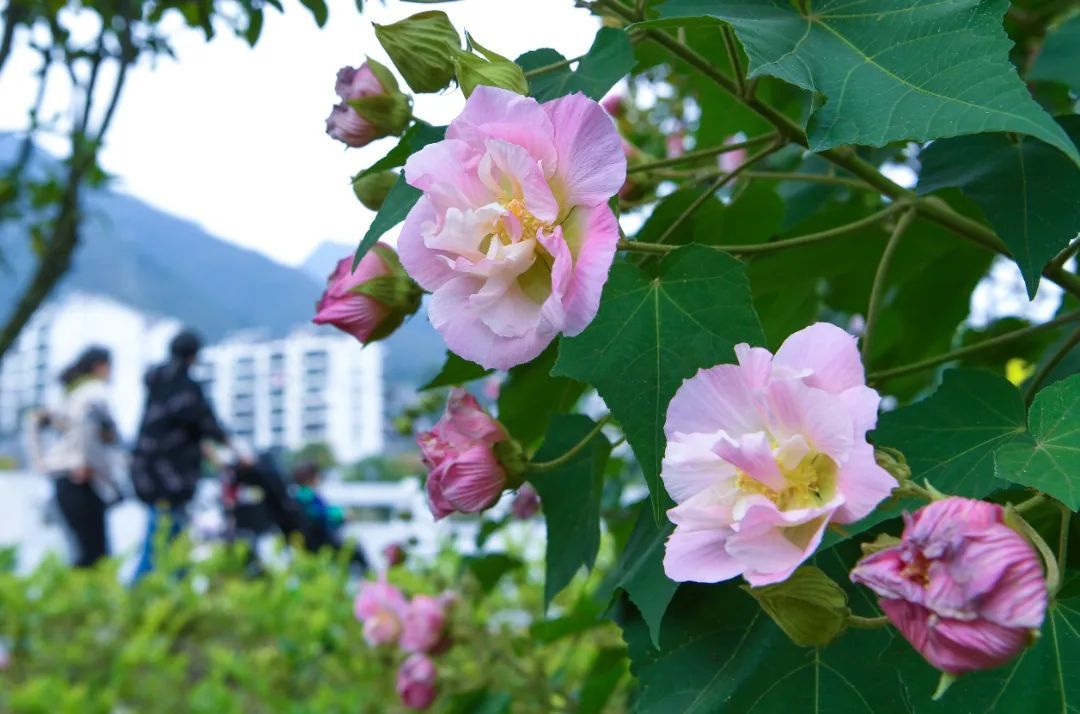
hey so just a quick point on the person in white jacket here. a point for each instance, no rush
(80, 458)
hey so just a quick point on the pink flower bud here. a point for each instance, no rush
(526, 502)
(372, 301)
(424, 624)
(731, 160)
(371, 105)
(465, 476)
(676, 144)
(416, 682)
(962, 587)
(380, 607)
(394, 555)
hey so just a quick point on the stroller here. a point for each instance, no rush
(257, 500)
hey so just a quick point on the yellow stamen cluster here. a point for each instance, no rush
(810, 484)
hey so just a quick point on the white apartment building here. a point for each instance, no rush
(315, 386)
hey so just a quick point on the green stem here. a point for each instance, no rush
(877, 290)
(574, 450)
(812, 178)
(1062, 258)
(756, 248)
(867, 623)
(733, 58)
(1036, 500)
(1063, 537)
(1053, 574)
(715, 186)
(699, 154)
(552, 67)
(1048, 367)
(972, 349)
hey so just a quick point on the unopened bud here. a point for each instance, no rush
(491, 70)
(421, 47)
(809, 607)
(372, 189)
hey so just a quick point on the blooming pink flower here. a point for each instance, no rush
(614, 104)
(344, 123)
(513, 234)
(381, 607)
(464, 474)
(762, 455)
(424, 624)
(416, 682)
(526, 502)
(370, 302)
(963, 588)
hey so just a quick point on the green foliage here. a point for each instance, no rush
(1057, 59)
(455, 372)
(1050, 458)
(401, 198)
(700, 301)
(608, 60)
(531, 396)
(570, 493)
(420, 47)
(809, 607)
(640, 571)
(884, 69)
(1027, 189)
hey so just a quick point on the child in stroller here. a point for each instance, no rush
(257, 499)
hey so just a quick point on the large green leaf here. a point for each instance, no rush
(889, 69)
(571, 497)
(1050, 460)
(1028, 190)
(395, 207)
(1058, 60)
(531, 396)
(950, 437)
(722, 654)
(651, 333)
(755, 216)
(610, 58)
(640, 571)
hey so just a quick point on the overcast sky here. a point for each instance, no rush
(233, 137)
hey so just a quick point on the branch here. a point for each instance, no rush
(1055, 359)
(757, 248)
(11, 20)
(1005, 339)
(733, 58)
(552, 67)
(716, 185)
(574, 450)
(699, 154)
(877, 290)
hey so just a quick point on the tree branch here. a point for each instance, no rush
(691, 156)
(877, 290)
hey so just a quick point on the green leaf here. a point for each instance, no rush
(395, 207)
(416, 137)
(651, 333)
(478, 701)
(950, 437)
(1050, 460)
(455, 372)
(755, 216)
(609, 59)
(1029, 192)
(809, 606)
(1043, 678)
(571, 497)
(723, 655)
(889, 69)
(607, 668)
(490, 568)
(1057, 60)
(640, 571)
(318, 10)
(531, 396)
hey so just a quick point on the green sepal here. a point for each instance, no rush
(420, 47)
(388, 113)
(893, 461)
(491, 70)
(372, 189)
(809, 607)
(384, 75)
(513, 459)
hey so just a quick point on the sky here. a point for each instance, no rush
(234, 139)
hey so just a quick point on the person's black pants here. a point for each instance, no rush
(84, 512)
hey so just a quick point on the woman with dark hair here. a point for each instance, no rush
(80, 459)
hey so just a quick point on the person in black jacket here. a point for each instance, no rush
(167, 461)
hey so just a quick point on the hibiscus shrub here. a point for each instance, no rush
(814, 262)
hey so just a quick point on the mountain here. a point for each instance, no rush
(155, 261)
(324, 259)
